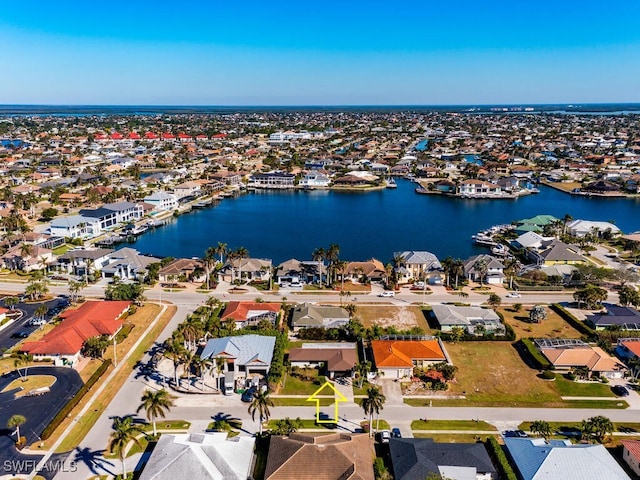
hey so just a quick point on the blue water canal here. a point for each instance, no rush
(283, 225)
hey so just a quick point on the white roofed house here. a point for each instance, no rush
(162, 201)
(478, 188)
(314, 180)
(494, 273)
(417, 265)
(244, 354)
(582, 228)
(111, 214)
(83, 261)
(127, 263)
(251, 269)
(75, 226)
(474, 320)
(187, 189)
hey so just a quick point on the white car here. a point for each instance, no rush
(385, 436)
(513, 295)
(387, 293)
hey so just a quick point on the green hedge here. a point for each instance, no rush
(500, 459)
(573, 321)
(73, 401)
(536, 357)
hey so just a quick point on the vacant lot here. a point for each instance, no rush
(402, 318)
(552, 327)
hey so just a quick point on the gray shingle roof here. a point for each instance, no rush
(246, 349)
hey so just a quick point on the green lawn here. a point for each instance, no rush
(453, 438)
(297, 386)
(615, 404)
(568, 388)
(306, 423)
(623, 427)
(300, 402)
(451, 425)
(62, 249)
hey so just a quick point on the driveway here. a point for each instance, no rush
(38, 411)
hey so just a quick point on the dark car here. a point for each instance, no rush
(620, 391)
(247, 395)
(20, 335)
(515, 434)
(395, 433)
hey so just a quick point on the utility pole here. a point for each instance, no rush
(115, 352)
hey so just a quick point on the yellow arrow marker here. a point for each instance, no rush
(337, 396)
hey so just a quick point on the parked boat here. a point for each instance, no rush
(500, 250)
(421, 190)
(390, 183)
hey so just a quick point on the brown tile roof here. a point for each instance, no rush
(336, 456)
(337, 359)
(594, 358)
(401, 353)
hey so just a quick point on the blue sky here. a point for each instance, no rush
(323, 53)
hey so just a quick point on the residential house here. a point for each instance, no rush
(537, 459)
(335, 359)
(250, 269)
(417, 265)
(92, 319)
(75, 226)
(568, 354)
(631, 454)
(296, 271)
(187, 189)
(535, 224)
(420, 458)
(396, 358)
(111, 214)
(582, 228)
(308, 315)
(272, 180)
(202, 456)
(182, 268)
(494, 274)
(313, 456)
(228, 178)
(84, 261)
(128, 264)
(162, 201)
(474, 320)
(624, 318)
(244, 355)
(27, 257)
(628, 348)
(312, 180)
(370, 271)
(478, 188)
(251, 313)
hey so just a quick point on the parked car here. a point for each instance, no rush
(385, 436)
(20, 335)
(247, 395)
(513, 295)
(620, 391)
(395, 432)
(387, 293)
(515, 433)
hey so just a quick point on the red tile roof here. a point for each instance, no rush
(633, 446)
(168, 135)
(133, 136)
(238, 311)
(116, 136)
(401, 353)
(220, 135)
(150, 135)
(92, 319)
(633, 347)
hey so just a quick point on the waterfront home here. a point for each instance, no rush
(297, 272)
(92, 319)
(445, 186)
(187, 189)
(244, 354)
(314, 180)
(494, 274)
(275, 180)
(397, 358)
(308, 315)
(473, 320)
(251, 313)
(162, 201)
(189, 269)
(421, 458)
(556, 252)
(111, 214)
(535, 224)
(539, 459)
(312, 456)
(568, 354)
(364, 272)
(83, 261)
(228, 178)
(617, 317)
(473, 188)
(250, 269)
(602, 187)
(127, 263)
(335, 359)
(202, 456)
(414, 265)
(582, 228)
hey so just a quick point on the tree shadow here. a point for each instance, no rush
(234, 422)
(94, 460)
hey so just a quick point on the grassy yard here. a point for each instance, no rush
(83, 424)
(453, 438)
(567, 388)
(297, 386)
(451, 425)
(552, 327)
(306, 424)
(402, 318)
(62, 249)
(30, 382)
(300, 402)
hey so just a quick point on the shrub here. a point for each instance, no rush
(500, 459)
(548, 375)
(534, 354)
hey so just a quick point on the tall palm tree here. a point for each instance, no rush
(372, 403)
(260, 404)
(22, 360)
(333, 256)
(240, 254)
(156, 404)
(124, 431)
(319, 255)
(174, 350)
(208, 260)
(362, 369)
(511, 268)
(457, 269)
(481, 268)
(221, 250)
(203, 365)
(16, 421)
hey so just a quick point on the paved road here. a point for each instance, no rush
(20, 324)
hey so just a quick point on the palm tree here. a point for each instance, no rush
(480, 267)
(11, 302)
(174, 350)
(221, 250)
(124, 431)
(203, 365)
(220, 363)
(22, 360)
(457, 269)
(156, 404)
(511, 268)
(332, 256)
(16, 421)
(362, 369)
(373, 403)
(542, 428)
(208, 259)
(260, 404)
(41, 311)
(240, 254)
(319, 255)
